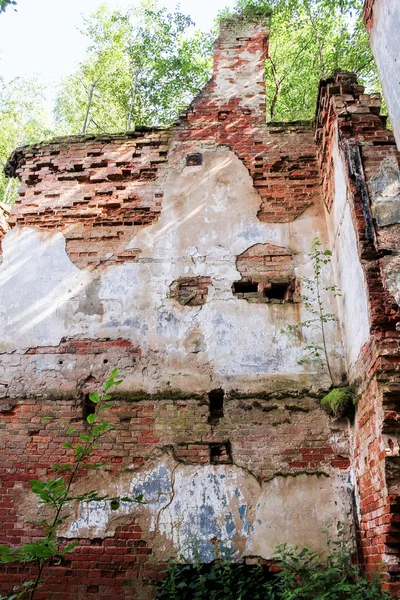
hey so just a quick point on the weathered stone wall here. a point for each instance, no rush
(132, 251)
(364, 223)
(382, 19)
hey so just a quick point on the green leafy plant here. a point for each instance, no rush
(316, 352)
(308, 575)
(5, 3)
(57, 494)
(308, 39)
(303, 574)
(221, 580)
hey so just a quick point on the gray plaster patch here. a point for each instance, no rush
(385, 193)
(89, 301)
(391, 265)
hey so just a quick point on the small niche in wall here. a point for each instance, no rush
(194, 160)
(278, 291)
(216, 405)
(221, 454)
(88, 407)
(245, 287)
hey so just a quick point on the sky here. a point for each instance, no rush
(42, 37)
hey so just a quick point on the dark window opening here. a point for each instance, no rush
(88, 407)
(245, 287)
(221, 454)
(194, 160)
(216, 405)
(277, 291)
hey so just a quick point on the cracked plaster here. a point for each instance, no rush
(208, 218)
(188, 508)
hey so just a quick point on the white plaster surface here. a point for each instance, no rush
(353, 306)
(385, 44)
(208, 218)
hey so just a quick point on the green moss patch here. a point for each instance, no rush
(340, 402)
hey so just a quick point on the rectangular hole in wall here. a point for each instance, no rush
(216, 405)
(245, 287)
(277, 291)
(221, 454)
(88, 407)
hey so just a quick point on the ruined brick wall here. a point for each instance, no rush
(125, 251)
(363, 218)
(156, 443)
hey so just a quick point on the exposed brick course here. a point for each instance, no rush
(98, 191)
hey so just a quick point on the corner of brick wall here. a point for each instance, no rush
(364, 143)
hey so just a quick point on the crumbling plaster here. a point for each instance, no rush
(208, 217)
(187, 509)
(352, 302)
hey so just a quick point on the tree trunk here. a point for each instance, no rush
(132, 102)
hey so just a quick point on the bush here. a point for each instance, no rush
(304, 575)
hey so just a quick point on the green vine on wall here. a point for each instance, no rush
(58, 493)
(316, 352)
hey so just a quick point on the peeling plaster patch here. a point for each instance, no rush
(134, 295)
(188, 508)
(385, 193)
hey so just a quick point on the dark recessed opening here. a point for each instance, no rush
(88, 407)
(277, 291)
(221, 453)
(244, 287)
(216, 405)
(194, 160)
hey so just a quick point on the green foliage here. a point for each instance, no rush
(221, 580)
(5, 3)
(304, 575)
(57, 494)
(309, 575)
(340, 402)
(313, 303)
(255, 9)
(142, 67)
(23, 120)
(308, 40)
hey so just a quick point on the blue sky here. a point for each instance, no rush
(42, 38)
